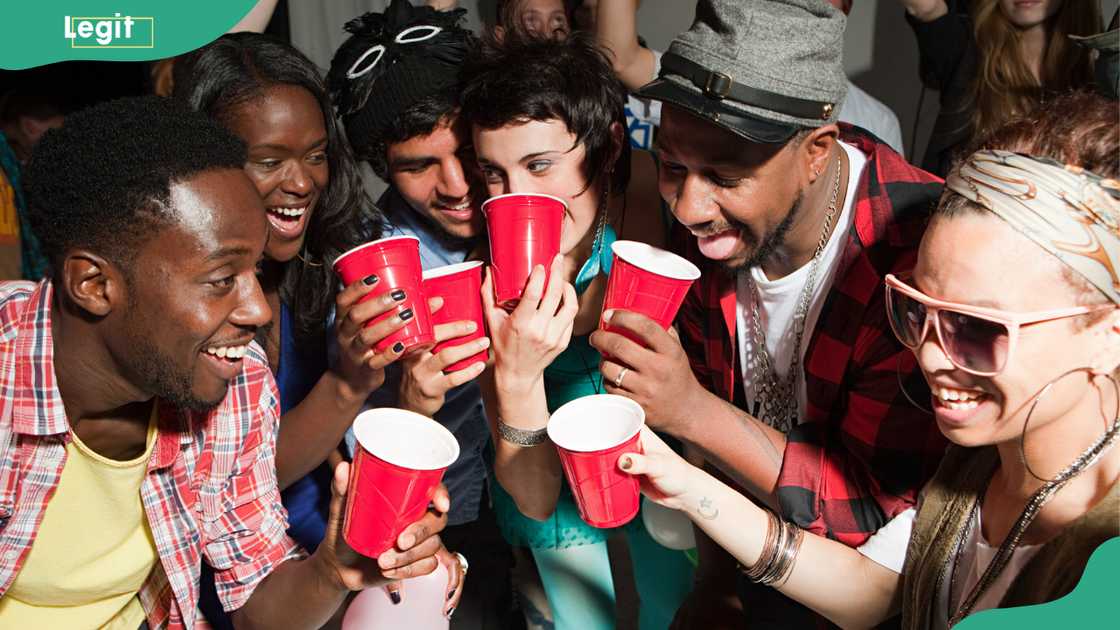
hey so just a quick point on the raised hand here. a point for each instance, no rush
(657, 376)
(424, 384)
(665, 477)
(539, 328)
(359, 365)
(413, 555)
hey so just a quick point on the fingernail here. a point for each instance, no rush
(395, 596)
(370, 279)
(484, 342)
(608, 315)
(405, 315)
(407, 541)
(471, 327)
(626, 462)
(450, 594)
(397, 294)
(450, 612)
(398, 347)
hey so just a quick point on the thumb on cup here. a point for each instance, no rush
(490, 310)
(434, 304)
(339, 484)
(441, 500)
(341, 481)
(633, 464)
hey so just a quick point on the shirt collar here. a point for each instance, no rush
(175, 435)
(38, 408)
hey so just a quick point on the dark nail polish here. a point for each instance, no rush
(405, 315)
(397, 294)
(398, 347)
(450, 594)
(370, 280)
(395, 596)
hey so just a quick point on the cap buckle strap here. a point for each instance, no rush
(718, 85)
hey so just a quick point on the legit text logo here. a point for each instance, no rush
(111, 32)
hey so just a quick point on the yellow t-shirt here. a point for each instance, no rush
(93, 550)
(10, 262)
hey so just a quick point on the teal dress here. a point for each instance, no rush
(571, 555)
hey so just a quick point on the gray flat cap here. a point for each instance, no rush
(760, 68)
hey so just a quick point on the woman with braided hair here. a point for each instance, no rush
(1013, 313)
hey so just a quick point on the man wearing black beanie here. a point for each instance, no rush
(395, 81)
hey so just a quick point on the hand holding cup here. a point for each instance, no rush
(411, 553)
(360, 365)
(429, 374)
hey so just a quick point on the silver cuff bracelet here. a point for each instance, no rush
(521, 437)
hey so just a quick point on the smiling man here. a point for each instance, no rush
(786, 375)
(138, 423)
(402, 117)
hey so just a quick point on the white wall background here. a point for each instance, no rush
(880, 54)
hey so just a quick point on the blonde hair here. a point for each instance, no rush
(1004, 86)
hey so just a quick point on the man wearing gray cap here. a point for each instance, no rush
(786, 375)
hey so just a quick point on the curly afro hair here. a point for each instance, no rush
(103, 180)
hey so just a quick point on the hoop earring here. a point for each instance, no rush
(902, 388)
(1045, 390)
(307, 262)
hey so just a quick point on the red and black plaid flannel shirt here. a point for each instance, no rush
(864, 451)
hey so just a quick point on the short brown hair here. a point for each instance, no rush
(1077, 128)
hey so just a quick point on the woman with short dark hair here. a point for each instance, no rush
(547, 117)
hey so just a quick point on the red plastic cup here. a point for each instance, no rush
(396, 261)
(524, 232)
(647, 280)
(460, 286)
(400, 459)
(591, 433)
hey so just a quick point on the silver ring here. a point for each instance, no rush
(463, 564)
(621, 375)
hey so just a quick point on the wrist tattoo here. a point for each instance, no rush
(707, 509)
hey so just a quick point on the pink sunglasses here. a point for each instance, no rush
(975, 339)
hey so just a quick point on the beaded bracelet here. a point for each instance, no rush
(521, 437)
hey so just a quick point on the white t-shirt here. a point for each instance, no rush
(643, 115)
(887, 547)
(779, 299)
(863, 110)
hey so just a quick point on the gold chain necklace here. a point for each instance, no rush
(778, 395)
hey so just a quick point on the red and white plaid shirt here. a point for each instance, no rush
(210, 490)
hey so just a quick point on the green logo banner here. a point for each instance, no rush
(1092, 604)
(39, 32)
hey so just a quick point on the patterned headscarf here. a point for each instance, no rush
(1068, 211)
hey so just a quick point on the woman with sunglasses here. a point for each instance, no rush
(1013, 314)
